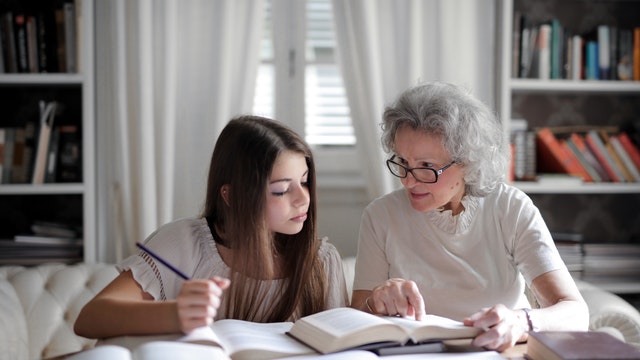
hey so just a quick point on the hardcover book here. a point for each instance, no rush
(347, 328)
(570, 345)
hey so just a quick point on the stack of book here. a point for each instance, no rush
(618, 261)
(594, 154)
(569, 246)
(48, 242)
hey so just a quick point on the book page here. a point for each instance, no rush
(170, 350)
(433, 327)
(341, 322)
(249, 340)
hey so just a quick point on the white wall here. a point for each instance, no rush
(339, 213)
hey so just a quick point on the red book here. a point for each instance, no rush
(636, 53)
(554, 158)
(630, 147)
(579, 142)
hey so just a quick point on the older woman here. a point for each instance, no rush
(456, 240)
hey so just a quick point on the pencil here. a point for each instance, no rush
(163, 261)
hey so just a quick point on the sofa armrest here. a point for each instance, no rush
(611, 313)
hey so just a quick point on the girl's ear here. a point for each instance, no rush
(224, 192)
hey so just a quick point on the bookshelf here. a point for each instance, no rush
(69, 195)
(604, 212)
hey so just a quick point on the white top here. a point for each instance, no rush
(479, 258)
(188, 245)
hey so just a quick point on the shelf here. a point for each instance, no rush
(44, 189)
(574, 86)
(531, 187)
(41, 79)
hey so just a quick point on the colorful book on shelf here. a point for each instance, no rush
(625, 56)
(9, 142)
(580, 167)
(630, 147)
(1, 152)
(47, 114)
(614, 156)
(553, 157)
(625, 158)
(573, 345)
(595, 144)
(636, 54)
(592, 174)
(579, 141)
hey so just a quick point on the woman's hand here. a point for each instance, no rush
(198, 302)
(397, 297)
(503, 327)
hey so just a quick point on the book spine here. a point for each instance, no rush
(636, 54)
(592, 68)
(544, 52)
(590, 175)
(554, 157)
(603, 52)
(597, 147)
(617, 163)
(625, 159)
(630, 147)
(588, 155)
(576, 57)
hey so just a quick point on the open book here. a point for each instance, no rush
(224, 339)
(346, 328)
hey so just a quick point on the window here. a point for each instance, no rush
(299, 81)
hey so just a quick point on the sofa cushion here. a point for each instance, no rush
(49, 298)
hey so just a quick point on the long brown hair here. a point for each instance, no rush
(242, 159)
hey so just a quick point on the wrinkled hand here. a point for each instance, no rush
(503, 327)
(198, 302)
(397, 297)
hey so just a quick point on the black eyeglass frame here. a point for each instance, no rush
(437, 172)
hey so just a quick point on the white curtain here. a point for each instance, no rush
(386, 46)
(169, 75)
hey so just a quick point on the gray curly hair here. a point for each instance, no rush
(470, 131)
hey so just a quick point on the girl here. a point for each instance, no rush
(255, 242)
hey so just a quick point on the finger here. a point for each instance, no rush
(222, 283)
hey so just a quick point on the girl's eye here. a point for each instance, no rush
(279, 193)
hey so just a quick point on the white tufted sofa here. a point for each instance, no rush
(38, 306)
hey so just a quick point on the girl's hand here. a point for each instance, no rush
(397, 297)
(503, 327)
(198, 302)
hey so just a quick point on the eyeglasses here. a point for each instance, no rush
(421, 174)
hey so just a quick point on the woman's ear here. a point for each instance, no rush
(224, 192)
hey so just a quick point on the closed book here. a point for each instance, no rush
(592, 68)
(603, 52)
(574, 345)
(593, 175)
(553, 157)
(544, 52)
(625, 55)
(588, 155)
(576, 57)
(582, 171)
(636, 53)
(555, 49)
(625, 158)
(596, 145)
(630, 147)
(615, 157)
